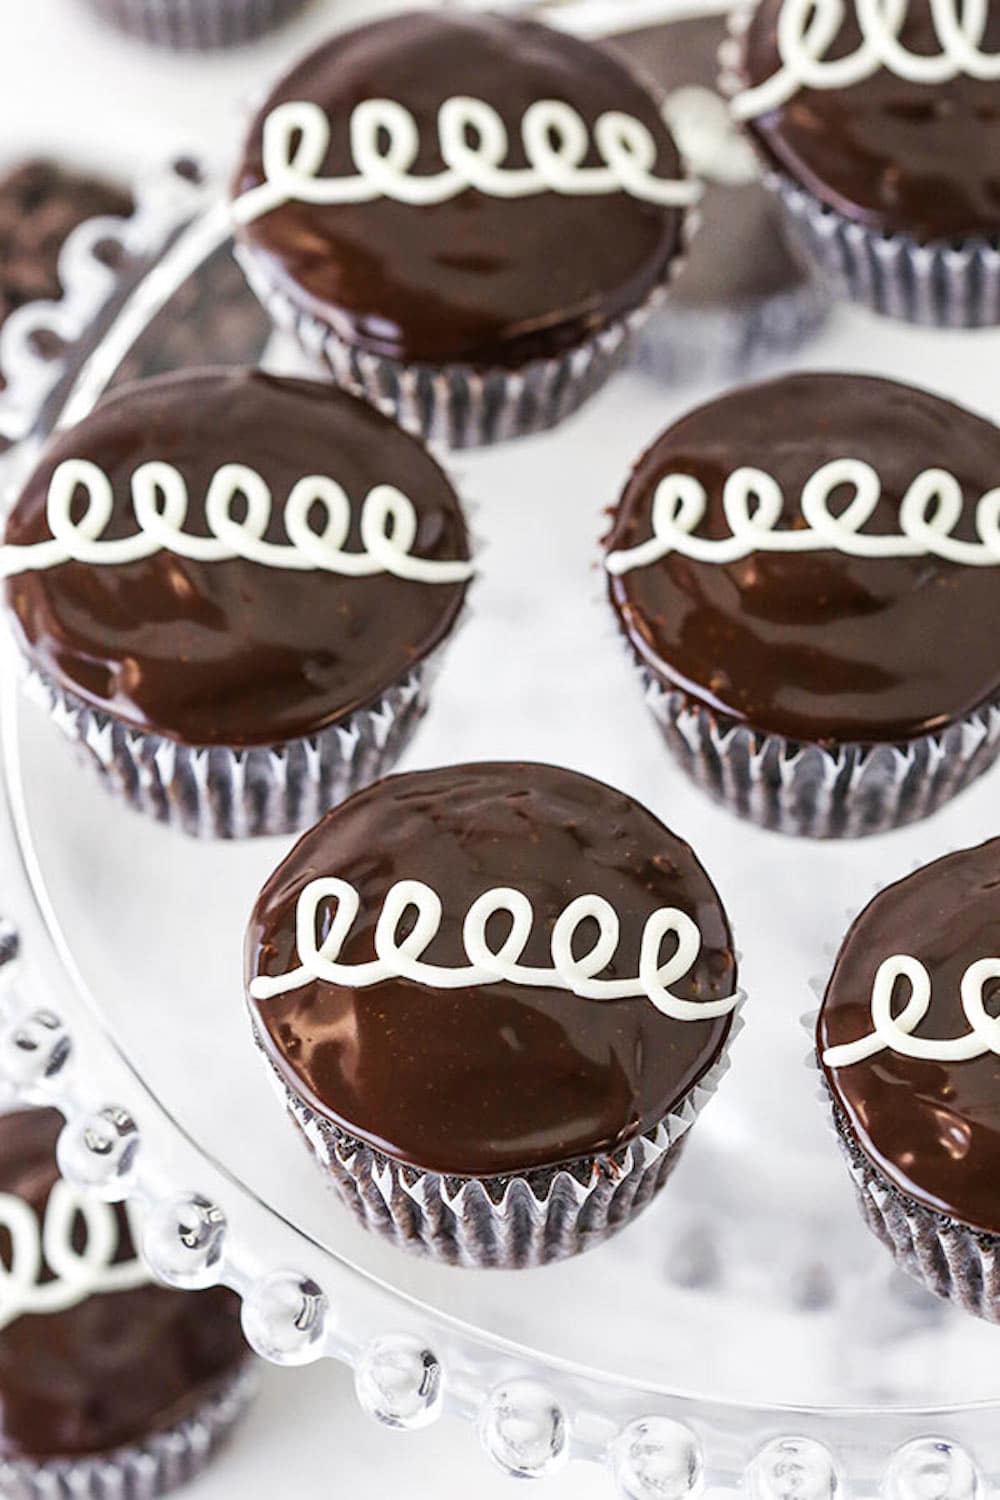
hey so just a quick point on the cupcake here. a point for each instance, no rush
(805, 572)
(463, 215)
(746, 292)
(231, 590)
(493, 998)
(109, 1386)
(195, 25)
(910, 1053)
(880, 141)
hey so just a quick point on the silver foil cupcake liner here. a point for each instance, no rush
(195, 25)
(459, 406)
(950, 1259)
(222, 793)
(941, 284)
(501, 1223)
(819, 791)
(160, 1463)
(681, 342)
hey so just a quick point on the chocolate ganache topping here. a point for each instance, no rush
(930, 1124)
(492, 1078)
(823, 645)
(235, 651)
(481, 277)
(113, 1367)
(896, 154)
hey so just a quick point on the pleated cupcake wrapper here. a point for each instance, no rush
(160, 1463)
(222, 793)
(503, 1223)
(839, 791)
(941, 284)
(459, 406)
(949, 1258)
(682, 341)
(196, 25)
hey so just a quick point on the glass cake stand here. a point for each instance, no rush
(747, 1329)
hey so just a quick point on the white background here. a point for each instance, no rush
(73, 89)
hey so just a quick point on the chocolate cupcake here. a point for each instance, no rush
(109, 1385)
(494, 998)
(195, 25)
(747, 292)
(464, 215)
(880, 141)
(806, 575)
(231, 590)
(910, 1053)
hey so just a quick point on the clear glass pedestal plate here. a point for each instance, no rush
(747, 1330)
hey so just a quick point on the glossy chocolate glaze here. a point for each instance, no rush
(501, 1078)
(478, 279)
(819, 646)
(114, 1368)
(932, 1128)
(235, 653)
(740, 254)
(899, 156)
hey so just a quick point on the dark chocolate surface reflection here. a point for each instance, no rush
(502, 1077)
(235, 652)
(897, 155)
(818, 646)
(933, 1128)
(478, 278)
(116, 1367)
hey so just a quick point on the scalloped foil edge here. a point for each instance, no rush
(806, 790)
(457, 406)
(160, 1463)
(222, 793)
(950, 1259)
(939, 284)
(504, 1223)
(195, 25)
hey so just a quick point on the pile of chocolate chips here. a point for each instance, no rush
(211, 317)
(40, 205)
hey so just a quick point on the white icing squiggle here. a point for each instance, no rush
(77, 1274)
(709, 141)
(807, 29)
(752, 501)
(895, 1033)
(474, 144)
(160, 504)
(404, 960)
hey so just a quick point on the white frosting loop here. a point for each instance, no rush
(160, 504)
(807, 29)
(474, 145)
(338, 903)
(76, 1274)
(891, 1033)
(752, 501)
